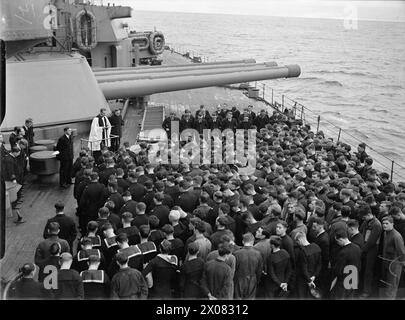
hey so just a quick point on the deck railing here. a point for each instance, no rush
(191, 54)
(85, 143)
(318, 123)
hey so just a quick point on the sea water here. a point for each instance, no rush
(352, 78)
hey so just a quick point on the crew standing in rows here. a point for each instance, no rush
(292, 228)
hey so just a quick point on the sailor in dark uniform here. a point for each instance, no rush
(92, 228)
(70, 285)
(229, 122)
(261, 120)
(129, 205)
(96, 282)
(217, 278)
(109, 244)
(252, 115)
(11, 171)
(27, 287)
(188, 200)
(147, 199)
(140, 218)
(128, 283)
(108, 171)
(155, 235)
(122, 183)
(200, 123)
(245, 122)
(80, 186)
(309, 264)
(80, 261)
(133, 253)
(235, 113)
(116, 122)
(349, 255)
(322, 240)
(148, 248)
(164, 272)
(29, 131)
(66, 224)
(42, 252)
(115, 197)
(131, 231)
(17, 134)
(113, 218)
(136, 188)
(354, 234)
(104, 218)
(279, 270)
(65, 156)
(78, 164)
(191, 274)
(361, 152)
(160, 210)
(249, 267)
(187, 121)
(92, 199)
(171, 188)
(215, 122)
(167, 123)
(52, 260)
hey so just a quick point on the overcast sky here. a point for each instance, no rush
(336, 9)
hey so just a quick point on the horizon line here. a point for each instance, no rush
(270, 16)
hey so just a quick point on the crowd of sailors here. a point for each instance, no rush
(314, 220)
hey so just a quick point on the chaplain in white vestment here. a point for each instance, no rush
(100, 132)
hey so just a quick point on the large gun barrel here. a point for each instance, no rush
(168, 73)
(172, 68)
(116, 70)
(143, 87)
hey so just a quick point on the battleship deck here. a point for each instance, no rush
(39, 199)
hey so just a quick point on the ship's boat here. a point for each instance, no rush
(142, 41)
(86, 30)
(154, 41)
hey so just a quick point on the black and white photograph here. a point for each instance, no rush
(220, 152)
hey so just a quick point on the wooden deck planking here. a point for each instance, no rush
(22, 240)
(37, 207)
(133, 119)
